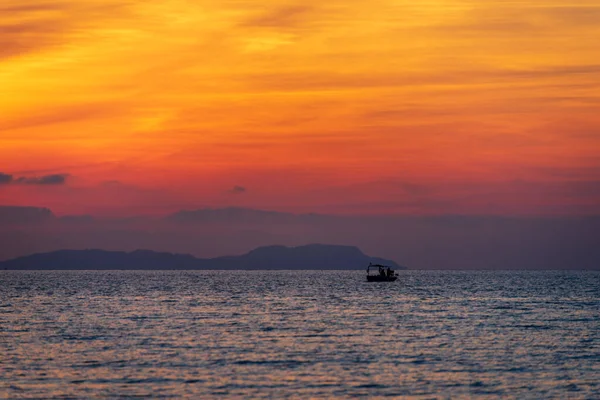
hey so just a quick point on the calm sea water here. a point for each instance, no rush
(302, 334)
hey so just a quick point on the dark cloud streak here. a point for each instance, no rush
(53, 179)
(5, 179)
(237, 190)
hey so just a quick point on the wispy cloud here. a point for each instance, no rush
(282, 17)
(35, 25)
(292, 98)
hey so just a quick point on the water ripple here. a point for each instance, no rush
(304, 334)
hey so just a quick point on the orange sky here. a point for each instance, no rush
(385, 106)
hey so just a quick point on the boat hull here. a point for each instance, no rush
(378, 278)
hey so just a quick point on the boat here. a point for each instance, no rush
(383, 273)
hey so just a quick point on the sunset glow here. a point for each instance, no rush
(430, 107)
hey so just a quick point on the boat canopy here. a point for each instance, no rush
(378, 266)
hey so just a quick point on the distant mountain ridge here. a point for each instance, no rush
(314, 256)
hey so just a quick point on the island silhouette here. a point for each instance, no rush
(308, 257)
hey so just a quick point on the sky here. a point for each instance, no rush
(343, 107)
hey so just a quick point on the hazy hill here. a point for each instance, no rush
(315, 256)
(489, 242)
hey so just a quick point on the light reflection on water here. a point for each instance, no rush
(283, 334)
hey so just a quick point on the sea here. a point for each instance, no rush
(299, 335)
